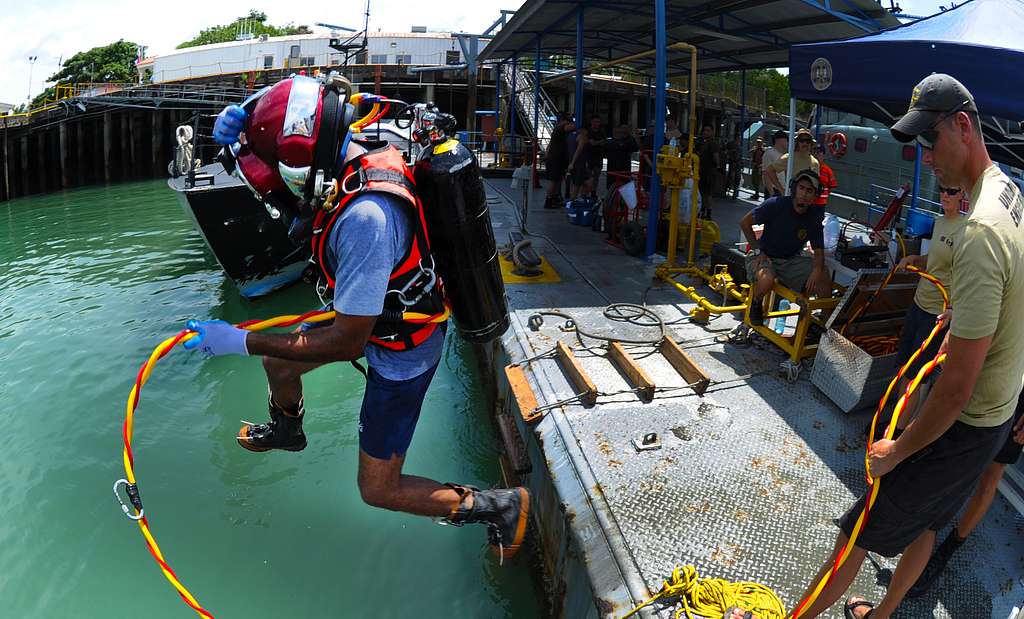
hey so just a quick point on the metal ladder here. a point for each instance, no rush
(521, 82)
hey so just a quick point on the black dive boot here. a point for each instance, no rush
(283, 431)
(505, 511)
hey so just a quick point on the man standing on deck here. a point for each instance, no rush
(756, 160)
(928, 473)
(372, 236)
(780, 145)
(802, 160)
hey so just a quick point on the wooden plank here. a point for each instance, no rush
(522, 392)
(638, 378)
(686, 367)
(584, 386)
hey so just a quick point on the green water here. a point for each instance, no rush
(90, 282)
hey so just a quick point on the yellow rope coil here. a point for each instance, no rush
(712, 597)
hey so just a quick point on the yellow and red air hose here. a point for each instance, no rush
(129, 482)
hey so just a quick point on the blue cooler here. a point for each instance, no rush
(581, 211)
(919, 222)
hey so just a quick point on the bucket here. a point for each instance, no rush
(919, 222)
(628, 193)
(581, 212)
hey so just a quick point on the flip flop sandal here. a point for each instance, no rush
(848, 609)
(729, 613)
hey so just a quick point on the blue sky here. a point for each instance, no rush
(61, 28)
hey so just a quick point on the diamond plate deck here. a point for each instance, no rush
(750, 476)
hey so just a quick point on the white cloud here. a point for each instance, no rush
(64, 28)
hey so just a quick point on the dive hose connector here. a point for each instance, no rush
(132, 490)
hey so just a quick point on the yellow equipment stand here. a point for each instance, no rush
(674, 169)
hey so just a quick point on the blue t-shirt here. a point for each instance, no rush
(368, 241)
(785, 230)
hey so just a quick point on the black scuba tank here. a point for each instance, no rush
(461, 238)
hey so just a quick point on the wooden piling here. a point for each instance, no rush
(107, 121)
(158, 141)
(81, 168)
(7, 178)
(26, 180)
(127, 155)
(62, 145)
(41, 160)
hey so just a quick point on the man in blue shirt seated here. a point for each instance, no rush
(789, 223)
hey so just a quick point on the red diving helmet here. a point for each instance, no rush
(292, 137)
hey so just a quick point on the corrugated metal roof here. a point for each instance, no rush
(730, 34)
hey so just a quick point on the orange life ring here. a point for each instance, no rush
(837, 145)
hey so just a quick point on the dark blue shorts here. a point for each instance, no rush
(916, 327)
(390, 411)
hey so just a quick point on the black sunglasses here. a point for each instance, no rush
(928, 137)
(949, 191)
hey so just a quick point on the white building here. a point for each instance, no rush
(412, 48)
(5, 108)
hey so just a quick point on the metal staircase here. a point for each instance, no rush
(521, 82)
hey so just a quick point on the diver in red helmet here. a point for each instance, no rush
(294, 139)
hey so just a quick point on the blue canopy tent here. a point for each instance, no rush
(978, 43)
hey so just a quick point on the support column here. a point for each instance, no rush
(536, 91)
(107, 122)
(63, 145)
(743, 113)
(428, 94)
(917, 176)
(634, 112)
(660, 76)
(792, 143)
(513, 97)
(578, 101)
(41, 160)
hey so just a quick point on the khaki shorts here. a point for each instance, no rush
(792, 273)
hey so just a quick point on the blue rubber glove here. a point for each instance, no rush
(216, 337)
(230, 122)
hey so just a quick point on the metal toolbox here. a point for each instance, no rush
(851, 377)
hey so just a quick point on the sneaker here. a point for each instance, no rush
(553, 202)
(936, 565)
(757, 312)
(505, 512)
(283, 431)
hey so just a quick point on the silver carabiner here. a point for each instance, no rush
(132, 491)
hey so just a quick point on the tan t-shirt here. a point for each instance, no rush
(940, 263)
(801, 161)
(988, 294)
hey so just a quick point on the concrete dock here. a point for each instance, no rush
(749, 476)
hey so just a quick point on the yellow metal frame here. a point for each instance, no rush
(674, 169)
(795, 345)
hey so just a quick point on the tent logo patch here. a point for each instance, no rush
(821, 74)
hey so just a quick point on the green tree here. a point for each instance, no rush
(255, 22)
(110, 63)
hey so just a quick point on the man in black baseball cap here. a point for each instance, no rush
(927, 473)
(935, 98)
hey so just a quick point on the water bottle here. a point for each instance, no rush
(673, 143)
(780, 322)
(831, 229)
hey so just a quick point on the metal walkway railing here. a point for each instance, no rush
(521, 83)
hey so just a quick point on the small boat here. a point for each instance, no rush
(248, 238)
(248, 241)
